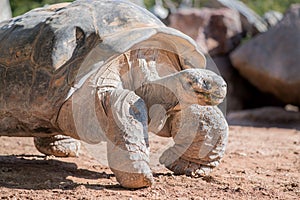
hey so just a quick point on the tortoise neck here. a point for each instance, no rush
(158, 92)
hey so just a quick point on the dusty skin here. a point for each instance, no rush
(260, 163)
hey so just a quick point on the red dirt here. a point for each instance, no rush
(260, 163)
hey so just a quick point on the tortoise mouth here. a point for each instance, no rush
(217, 96)
(206, 98)
(216, 99)
(209, 94)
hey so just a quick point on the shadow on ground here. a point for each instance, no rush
(36, 172)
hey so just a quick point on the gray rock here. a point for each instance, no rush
(240, 93)
(159, 10)
(5, 10)
(236, 92)
(271, 60)
(272, 17)
(217, 31)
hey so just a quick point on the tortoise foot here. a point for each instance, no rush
(59, 145)
(200, 141)
(134, 180)
(181, 166)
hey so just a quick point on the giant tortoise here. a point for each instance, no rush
(109, 70)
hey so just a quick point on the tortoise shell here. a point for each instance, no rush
(46, 53)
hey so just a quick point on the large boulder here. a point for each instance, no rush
(217, 31)
(5, 11)
(240, 93)
(237, 91)
(271, 61)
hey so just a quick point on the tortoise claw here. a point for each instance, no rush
(134, 180)
(181, 166)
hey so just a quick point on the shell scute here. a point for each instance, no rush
(17, 88)
(2, 85)
(40, 87)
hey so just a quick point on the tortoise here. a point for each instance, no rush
(109, 70)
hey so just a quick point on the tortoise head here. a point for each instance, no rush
(203, 86)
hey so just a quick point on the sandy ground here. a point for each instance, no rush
(260, 163)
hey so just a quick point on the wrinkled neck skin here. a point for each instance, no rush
(158, 92)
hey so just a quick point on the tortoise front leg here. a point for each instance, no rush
(200, 135)
(127, 144)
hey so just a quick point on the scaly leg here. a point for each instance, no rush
(127, 144)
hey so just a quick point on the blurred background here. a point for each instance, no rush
(260, 6)
(255, 45)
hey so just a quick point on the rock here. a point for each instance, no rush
(236, 91)
(272, 17)
(265, 117)
(159, 10)
(240, 93)
(252, 23)
(271, 60)
(5, 10)
(217, 31)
